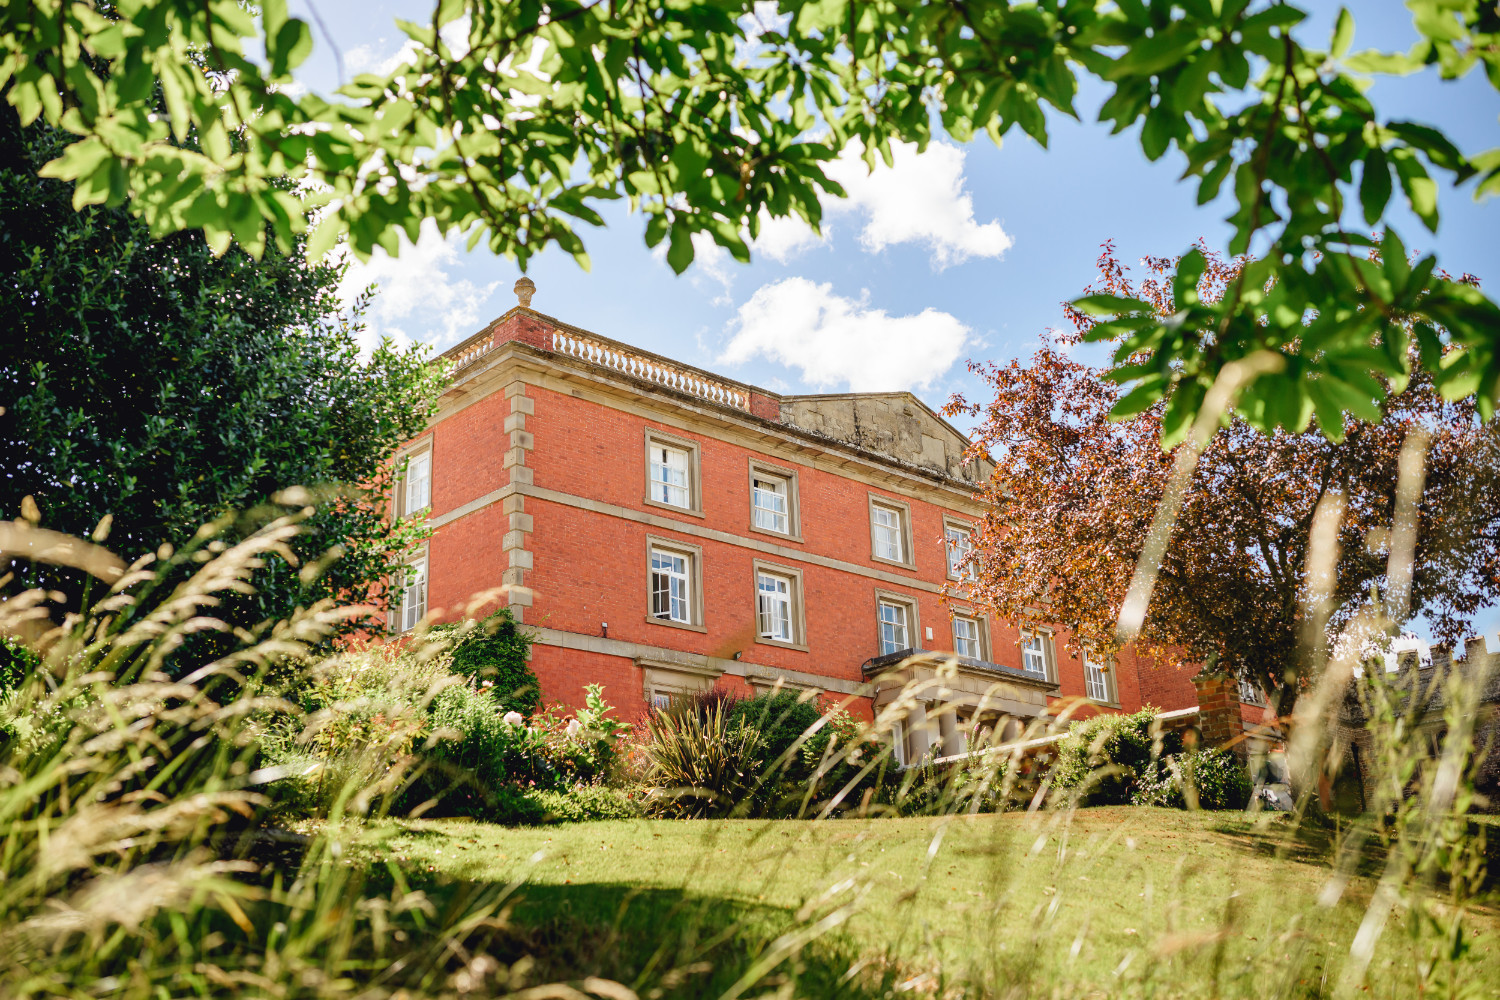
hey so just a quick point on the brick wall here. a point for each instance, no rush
(588, 450)
(524, 327)
(590, 567)
(1167, 686)
(565, 674)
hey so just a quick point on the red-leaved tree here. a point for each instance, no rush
(1074, 494)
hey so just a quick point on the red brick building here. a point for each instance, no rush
(663, 530)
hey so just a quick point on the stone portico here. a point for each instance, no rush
(948, 695)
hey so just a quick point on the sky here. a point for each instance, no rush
(961, 253)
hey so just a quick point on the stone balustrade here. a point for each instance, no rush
(598, 351)
(472, 350)
(610, 356)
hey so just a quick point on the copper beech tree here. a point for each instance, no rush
(1074, 493)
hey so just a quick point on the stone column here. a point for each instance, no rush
(952, 736)
(919, 738)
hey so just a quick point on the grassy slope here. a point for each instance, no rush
(1126, 899)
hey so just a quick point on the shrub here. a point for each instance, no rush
(473, 752)
(779, 754)
(366, 712)
(971, 786)
(496, 655)
(702, 762)
(781, 719)
(586, 747)
(394, 726)
(1103, 758)
(588, 802)
(1214, 777)
(482, 762)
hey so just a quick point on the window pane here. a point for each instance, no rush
(966, 638)
(887, 533)
(418, 483)
(960, 549)
(1034, 655)
(893, 636)
(670, 595)
(1095, 679)
(775, 607)
(769, 499)
(669, 476)
(414, 598)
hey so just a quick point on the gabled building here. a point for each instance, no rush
(663, 530)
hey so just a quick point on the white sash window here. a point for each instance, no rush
(671, 594)
(414, 597)
(1034, 655)
(960, 554)
(768, 497)
(418, 483)
(774, 600)
(887, 523)
(894, 635)
(1095, 677)
(966, 638)
(669, 476)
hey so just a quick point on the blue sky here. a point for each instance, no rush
(964, 252)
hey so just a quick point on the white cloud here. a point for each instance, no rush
(714, 263)
(838, 341)
(919, 199)
(786, 237)
(419, 298)
(371, 58)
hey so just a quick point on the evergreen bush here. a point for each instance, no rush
(497, 655)
(1103, 759)
(1214, 775)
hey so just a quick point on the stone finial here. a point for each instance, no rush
(525, 288)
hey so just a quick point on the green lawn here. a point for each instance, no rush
(1105, 902)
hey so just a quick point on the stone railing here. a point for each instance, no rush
(472, 350)
(609, 355)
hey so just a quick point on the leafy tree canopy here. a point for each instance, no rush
(1074, 496)
(515, 119)
(161, 386)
